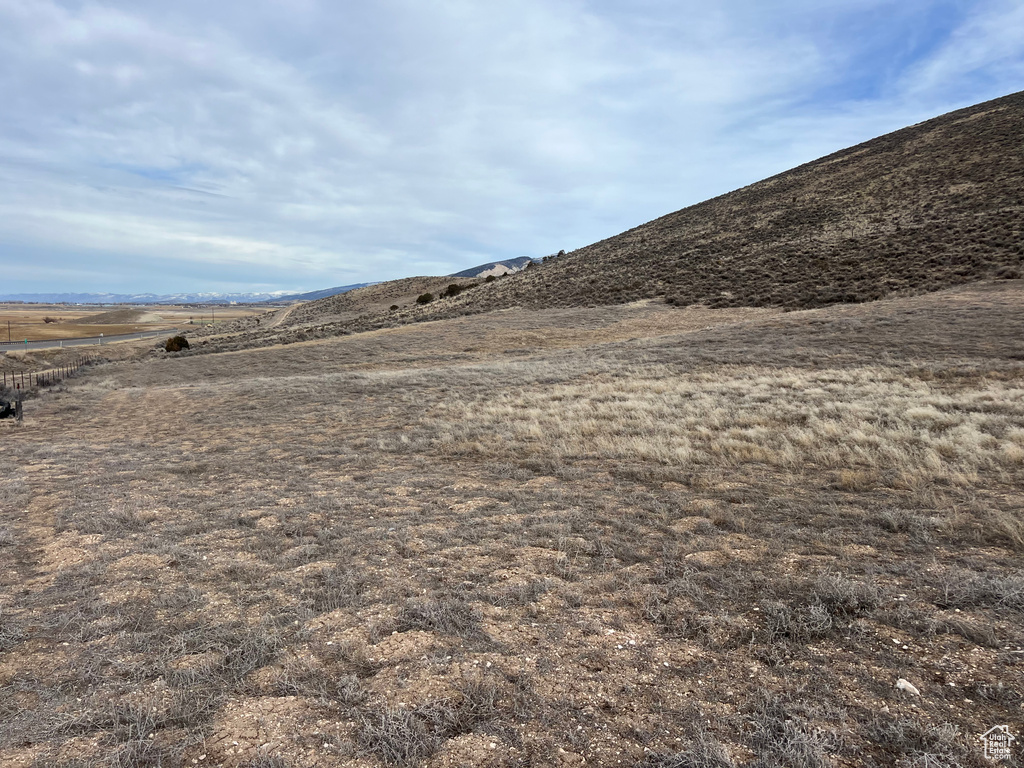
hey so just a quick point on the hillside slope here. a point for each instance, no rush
(933, 205)
(927, 207)
(371, 299)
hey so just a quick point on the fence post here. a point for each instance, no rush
(17, 408)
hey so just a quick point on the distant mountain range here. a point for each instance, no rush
(141, 298)
(321, 294)
(496, 268)
(173, 298)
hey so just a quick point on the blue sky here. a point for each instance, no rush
(296, 144)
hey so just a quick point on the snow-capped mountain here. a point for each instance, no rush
(142, 298)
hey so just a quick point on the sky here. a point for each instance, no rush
(263, 145)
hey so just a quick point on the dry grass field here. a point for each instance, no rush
(41, 322)
(643, 536)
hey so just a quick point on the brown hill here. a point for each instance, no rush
(927, 207)
(373, 299)
(930, 206)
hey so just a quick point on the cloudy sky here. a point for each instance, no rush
(298, 144)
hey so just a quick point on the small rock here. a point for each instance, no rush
(906, 685)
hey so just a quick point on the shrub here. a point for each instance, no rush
(176, 344)
(452, 290)
(449, 616)
(394, 307)
(249, 652)
(490, 279)
(334, 588)
(1008, 273)
(396, 736)
(265, 760)
(782, 739)
(425, 298)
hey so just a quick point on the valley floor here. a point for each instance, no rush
(618, 536)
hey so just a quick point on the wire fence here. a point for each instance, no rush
(21, 381)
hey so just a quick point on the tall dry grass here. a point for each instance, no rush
(866, 419)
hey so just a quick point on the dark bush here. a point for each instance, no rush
(1008, 273)
(394, 307)
(490, 279)
(425, 298)
(176, 344)
(452, 290)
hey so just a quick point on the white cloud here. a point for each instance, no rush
(988, 47)
(399, 137)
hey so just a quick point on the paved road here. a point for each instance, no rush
(87, 342)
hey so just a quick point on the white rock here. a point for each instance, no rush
(906, 685)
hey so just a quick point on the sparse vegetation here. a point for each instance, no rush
(696, 547)
(646, 535)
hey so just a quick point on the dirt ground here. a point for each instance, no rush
(618, 536)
